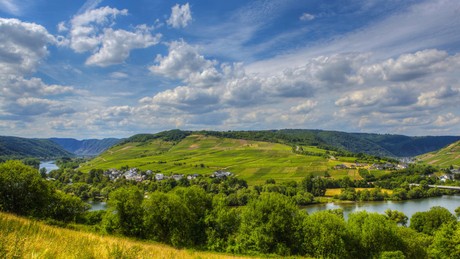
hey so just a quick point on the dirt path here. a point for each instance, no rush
(434, 161)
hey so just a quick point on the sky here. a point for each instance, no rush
(100, 68)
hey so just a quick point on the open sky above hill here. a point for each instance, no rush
(100, 68)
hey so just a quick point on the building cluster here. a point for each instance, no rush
(131, 174)
(374, 166)
(221, 174)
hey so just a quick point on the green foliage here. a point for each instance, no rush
(372, 233)
(269, 225)
(171, 135)
(446, 242)
(428, 222)
(222, 224)
(324, 235)
(125, 213)
(167, 219)
(24, 192)
(397, 216)
(19, 148)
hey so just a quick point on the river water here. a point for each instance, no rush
(49, 165)
(408, 207)
(97, 205)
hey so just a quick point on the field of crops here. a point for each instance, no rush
(253, 161)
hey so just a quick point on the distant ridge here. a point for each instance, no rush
(444, 157)
(19, 148)
(86, 147)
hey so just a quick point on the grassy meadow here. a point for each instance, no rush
(254, 161)
(449, 155)
(23, 238)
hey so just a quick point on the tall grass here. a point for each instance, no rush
(23, 238)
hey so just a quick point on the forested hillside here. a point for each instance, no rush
(375, 144)
(86, 147)
(19, 148)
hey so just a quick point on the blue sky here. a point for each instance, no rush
(98, 68)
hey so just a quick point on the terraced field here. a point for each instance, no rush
(449, 155)
(253, 161)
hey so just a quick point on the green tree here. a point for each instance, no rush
(307, 183)
(397, 217)
(429, 221)
(324, 235)
(22, 190)
(222, 224)
(446, 242)
(269, 225)
(457, 212)
(33, 162)
(166, 219)
(125, 212)
(43, 172)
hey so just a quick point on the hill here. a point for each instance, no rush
(25, 238)
(18, 148)
(388, 145)
(205, 152)
(444, 157)
(86, 147)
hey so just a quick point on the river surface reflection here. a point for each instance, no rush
(408, 207)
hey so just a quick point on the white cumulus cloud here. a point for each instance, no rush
(181, 16)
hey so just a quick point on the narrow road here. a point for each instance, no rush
(439, 186)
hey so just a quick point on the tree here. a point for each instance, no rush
(446, 242)
(22, 190)
(269, 225)
(324, 235)
(166, 219)
(397, 217)
(307, 183)
(43, 172)
(457, 212)
(33, 162)
(125, 213)
(429, 221)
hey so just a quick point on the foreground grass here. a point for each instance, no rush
(23, 238)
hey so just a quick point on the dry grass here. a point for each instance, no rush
(332, 192)
(23, 238)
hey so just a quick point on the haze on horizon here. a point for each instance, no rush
(100, 69)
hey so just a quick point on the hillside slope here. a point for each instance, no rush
(25, 238)
(18, 148)
(389, 145)
(86, 147)
(449, 155)
(254, 161)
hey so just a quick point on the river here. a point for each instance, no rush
(49, 165)
(97, 205)
(408, 207)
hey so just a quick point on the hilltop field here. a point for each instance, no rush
(253, 161)
(445, 157)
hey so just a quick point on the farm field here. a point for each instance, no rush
(332, 192)
(449, 155)
(253, 161)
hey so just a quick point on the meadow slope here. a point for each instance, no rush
(254, 161)
(24, 238)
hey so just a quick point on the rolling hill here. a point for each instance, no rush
(86, 147)
(444, 157)
(195, 152)
(18, 148)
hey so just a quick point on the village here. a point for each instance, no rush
(139, 176)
